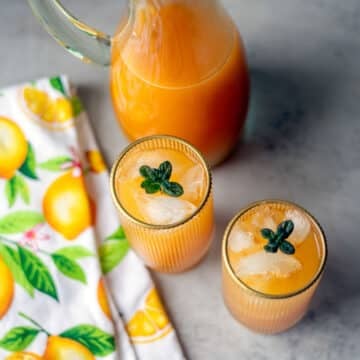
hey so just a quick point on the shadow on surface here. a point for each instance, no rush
(284, 109)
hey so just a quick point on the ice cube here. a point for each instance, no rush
(193, 181)
(264, 221)
(301, 226)
(152, 158)
(164, 210)
(264, 263)
(240, 240)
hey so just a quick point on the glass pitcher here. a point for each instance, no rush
(177, 67)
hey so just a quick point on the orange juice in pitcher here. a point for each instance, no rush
(178, 67)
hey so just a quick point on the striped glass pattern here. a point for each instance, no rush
(176, 247)
(262, 312)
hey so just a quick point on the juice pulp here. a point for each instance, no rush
(278, 273)
(180, 69)
(159, 208)
(169, 233)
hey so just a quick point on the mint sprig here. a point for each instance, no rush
(159, 180)
(278, 240)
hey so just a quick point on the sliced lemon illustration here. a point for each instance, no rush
(102, 298)
(54, 113)
(96, 161)
(149, 323)
(23, 356)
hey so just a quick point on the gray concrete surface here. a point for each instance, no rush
(302, 143)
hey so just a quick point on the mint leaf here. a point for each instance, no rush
(268, 234)
(158, 179)
(278, 240)
(165, 169)
(150, 186)
(287, 248)
(271, 247)
(286, 228)
(172, 188)
(148, 172)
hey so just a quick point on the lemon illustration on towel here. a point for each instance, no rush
(67, 207)
(59, 348)
(7, 288)
(23, 355)
(56, 112)
(149, 323)
(102, 299)
(13, 148)
(81, 342)
(96, 161)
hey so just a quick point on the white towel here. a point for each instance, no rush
(58, 228)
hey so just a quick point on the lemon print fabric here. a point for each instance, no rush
(69, 282)
(82, 342)
(67, 206)
(17, 161)
(96, 161)
(103, 299)
(13, 147)
(150, 322)
(60, 349)
(56, 111)
(7, 287)
(23, 355)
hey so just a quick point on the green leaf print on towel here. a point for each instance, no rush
(113, 250)
(19, 338)
(26, 266)
(96, 340)
(37, 273)
(28, 168)
(69, 267)
(19, 221)
(76, 104)
(16, 185)
(82, 341)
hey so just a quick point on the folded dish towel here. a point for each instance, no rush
(70, 286)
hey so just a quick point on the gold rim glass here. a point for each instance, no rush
(128, 149)
(170, 247)
(259, 293)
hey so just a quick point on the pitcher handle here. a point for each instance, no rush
(81, 40)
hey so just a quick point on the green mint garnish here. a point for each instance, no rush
(278, 240)
(159, 180)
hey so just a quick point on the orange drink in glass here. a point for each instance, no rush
(162, 188)
(273, 255)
